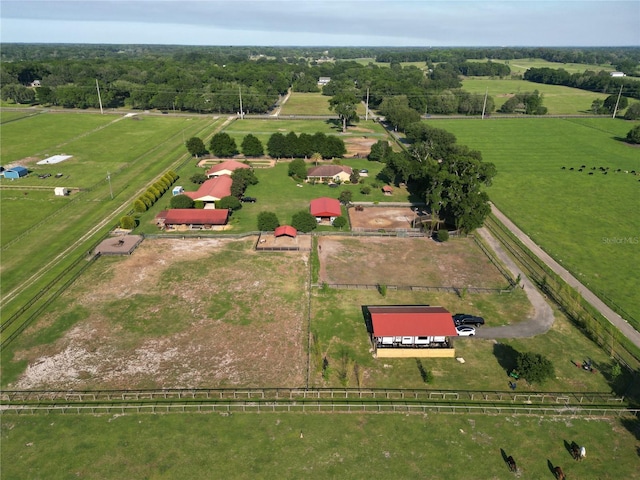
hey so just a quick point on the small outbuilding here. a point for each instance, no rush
(61, 191)
(387, 190)
(15, 172)
(324, 208)
(411, 331)
(226, 168)
(285, 230)
(177, 190)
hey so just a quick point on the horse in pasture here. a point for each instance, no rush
(512, 464)
(583, 453)
(557, 471)
(575, 451)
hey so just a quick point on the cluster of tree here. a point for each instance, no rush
(633, 135)
(305, 145)
(609, 104)
(529, 103)
(601, 82)
(448, 176)
(484, 69)
(534, 368)
(241, 179)
(154, 192)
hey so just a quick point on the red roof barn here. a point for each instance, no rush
(325, 207)
(212, 189)
(225, 168)
(196, 217)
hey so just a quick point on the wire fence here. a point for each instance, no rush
(460, 291)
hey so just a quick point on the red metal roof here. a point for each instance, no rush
(285, 230)
(229, 165)
(213, 189)
(325, 207)
(196, 216)
(418, 320)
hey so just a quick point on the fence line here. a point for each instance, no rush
(413, 288)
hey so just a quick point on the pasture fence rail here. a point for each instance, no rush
(70, 397)
(324, 407)
(413, 288)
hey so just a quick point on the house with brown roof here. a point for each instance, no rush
(212, 190)
(329, 173)
(411, 331)
(193, 219)
(225, 168)
(325, 208)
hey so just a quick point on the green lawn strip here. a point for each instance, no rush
(574, 216)
(521, 65)
(292, 445)
(306, 104)
(54, 132)
(7, 116)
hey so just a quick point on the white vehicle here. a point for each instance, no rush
(465, 331)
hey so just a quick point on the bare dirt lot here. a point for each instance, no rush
(177, 313)
(376, 218)
(406, 261)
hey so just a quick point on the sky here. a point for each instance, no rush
(392, 23)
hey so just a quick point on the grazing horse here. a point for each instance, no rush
(512, 464)
(583, 453)
(575, 451)
(559, 473)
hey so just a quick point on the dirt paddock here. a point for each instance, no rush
(387, 218)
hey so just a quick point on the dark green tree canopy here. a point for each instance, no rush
(222, 145)
(298, 169)
(534, 368)
(181, 201)
(345, 105)
(276, 146)
(252, 146)
(267, 221)
(633, 136)
(304, 221)
(230, 202)
(196, 147)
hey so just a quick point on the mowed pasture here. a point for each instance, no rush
(558, 99)
(587, 220)
(293, 445)
(36, 226)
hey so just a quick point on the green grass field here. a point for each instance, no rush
(306, 104)
(292, 445)
(589, 223)
(521, 65)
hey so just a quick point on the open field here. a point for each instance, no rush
(133, 151)
(246, 446)
(521, 65)
(589, 223)
(558, 99)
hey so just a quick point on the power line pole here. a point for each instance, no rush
(110, 189)
(484, 105)
(366, 110)
(99, 98)
(617, 101)
(240, 93)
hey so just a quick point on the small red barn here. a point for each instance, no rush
(285, 230)
(325, 207)
(225, 168)
(195, 218)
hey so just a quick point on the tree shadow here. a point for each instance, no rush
(335, 124)
(366, 315)
(506, 356)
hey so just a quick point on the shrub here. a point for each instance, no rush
(145, 199)
(298, 169)
(139, 206)
(127, 222)
(181, 201)
(230, 202)
(340, 222)
(198, 178)
(198, 204)
(154, 191)
(303, 221)
(267, 221)
(382, 290)
(534, 368)
(442, 235)
(365, 190)
(633, 136)
(345, 197)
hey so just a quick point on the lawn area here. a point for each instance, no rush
(293, 445)
(589, 223)
(307, 104)
(558, 99)
(521, 65)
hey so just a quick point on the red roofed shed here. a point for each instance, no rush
(325, 207)
(285, 230)
(195, 217)
(404, 331)
(212, 189)
(225, 168)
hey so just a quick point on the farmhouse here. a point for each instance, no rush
(322, 81)
(212, 190)
(225, 168)
(411, 331)
(329, 173)
(192, 218)
(15, 172)
(325, 208)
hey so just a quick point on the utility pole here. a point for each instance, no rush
(241, 112)
(484, 105)
(110, 189)
(366, 110)
(99, 99)
(615, 110)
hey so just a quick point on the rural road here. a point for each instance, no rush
(541, 321)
